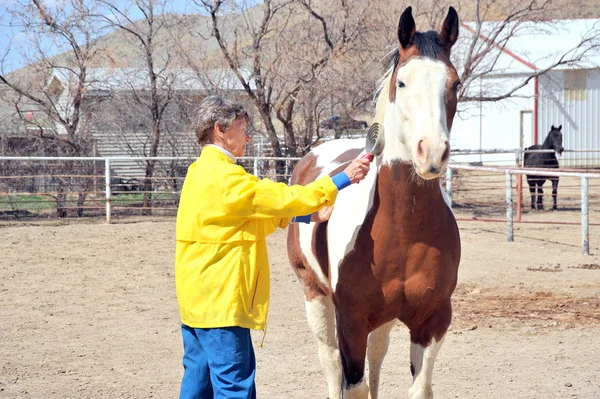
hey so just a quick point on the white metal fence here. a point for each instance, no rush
(37, 187)
(585, 177)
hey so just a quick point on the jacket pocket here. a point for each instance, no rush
(255, 291)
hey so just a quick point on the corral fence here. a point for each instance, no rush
(44, 187)
(47, 187)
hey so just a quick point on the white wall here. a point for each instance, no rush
(493, 125)
(578, 112)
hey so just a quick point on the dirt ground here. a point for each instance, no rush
(88, 310)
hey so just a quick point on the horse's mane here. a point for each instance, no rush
(429, 44)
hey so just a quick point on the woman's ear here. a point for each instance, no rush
(217, 130)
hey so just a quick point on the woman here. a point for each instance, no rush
(222, 268)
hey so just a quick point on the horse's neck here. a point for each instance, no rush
(546, 144)
(401, 190)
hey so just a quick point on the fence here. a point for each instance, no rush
(509, 188)
(36, 187)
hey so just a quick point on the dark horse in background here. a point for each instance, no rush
(544, 160)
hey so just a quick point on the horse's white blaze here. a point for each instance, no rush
(376, 350)
(423, 359)
(418, 112)
(320, 314)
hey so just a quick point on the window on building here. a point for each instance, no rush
(575, 88)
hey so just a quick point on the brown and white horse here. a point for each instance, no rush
(391, 248)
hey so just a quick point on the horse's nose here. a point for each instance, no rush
(423, 148)
(435, 170)
(446, 153)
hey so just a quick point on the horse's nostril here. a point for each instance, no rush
(434, 170)
(420, 151)
(446, 153)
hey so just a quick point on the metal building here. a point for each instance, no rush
(566, 94)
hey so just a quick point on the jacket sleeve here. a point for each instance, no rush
(245, 196)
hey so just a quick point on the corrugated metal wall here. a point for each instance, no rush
(572, 99)
(181, 144)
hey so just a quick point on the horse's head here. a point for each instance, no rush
(421, 96)
(555, 139)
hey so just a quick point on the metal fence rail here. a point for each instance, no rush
(508, 172)
(34, 187)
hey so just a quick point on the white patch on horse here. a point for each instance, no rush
(377, 348)
(326, 154)
(349, 212)
(357, 391)
(305, 238)
(418, 111)
(422, 360)
(320, 314)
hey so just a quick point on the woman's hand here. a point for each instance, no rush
(358, 169)
(321, 215)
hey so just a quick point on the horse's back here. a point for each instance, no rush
(326, 159)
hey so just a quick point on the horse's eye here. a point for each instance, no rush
(401, 84)
(457, 85)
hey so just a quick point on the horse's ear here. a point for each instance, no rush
(449, 32)
(406, 28)
(552, 127)
(560, 127)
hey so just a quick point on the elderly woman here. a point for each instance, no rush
(222, 268)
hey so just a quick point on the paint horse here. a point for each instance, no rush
(544, 160)
(391, 248)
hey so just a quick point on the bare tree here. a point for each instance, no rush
(490, 32)
(47, 95)
(152, 85)
(287, 47)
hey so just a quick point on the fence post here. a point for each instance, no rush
(256, 167)
(519, 187)
(287, 171)
(449, 185)
(107, 183)
(585, 225)
(509, 203)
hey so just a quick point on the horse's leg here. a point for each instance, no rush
(532, 192)
(376, 350)
(353, 335)
(426, 340)
(320, 313)
(554, 191)
(540, 198)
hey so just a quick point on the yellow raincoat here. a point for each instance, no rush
(221, 268)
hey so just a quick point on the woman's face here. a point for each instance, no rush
(236, 137)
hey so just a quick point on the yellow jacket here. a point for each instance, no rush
(222, 272)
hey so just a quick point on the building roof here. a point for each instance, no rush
(129, 79)
(539, 45)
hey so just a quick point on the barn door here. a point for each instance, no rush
(526, 134)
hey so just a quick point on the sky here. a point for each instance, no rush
(14, 40)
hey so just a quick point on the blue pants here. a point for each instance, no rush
(218, 363)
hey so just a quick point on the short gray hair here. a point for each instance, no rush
(215, 109)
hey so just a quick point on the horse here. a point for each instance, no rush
(544, 160)
(391, 248)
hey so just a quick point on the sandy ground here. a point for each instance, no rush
(88, 310)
